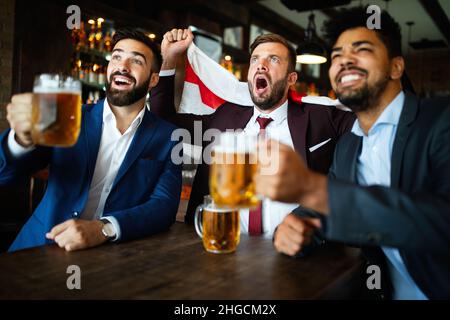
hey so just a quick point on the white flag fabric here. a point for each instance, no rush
(208, 85)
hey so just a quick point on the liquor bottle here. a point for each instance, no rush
(81, 37)
(107, 42)
(93, 78)
(102, 75)
(76, 66)
(92, 34)
(75, 37)
(99, 35)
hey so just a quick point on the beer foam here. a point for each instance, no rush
(214, 208)
(55, 90)
(47, 83)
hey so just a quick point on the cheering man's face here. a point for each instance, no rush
(268, 76)
(360, 68)
(129, 74)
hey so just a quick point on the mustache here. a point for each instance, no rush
(123, 74)
(350, 69)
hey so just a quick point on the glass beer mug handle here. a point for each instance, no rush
(198, 221)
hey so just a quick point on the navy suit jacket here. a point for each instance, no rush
(145, 195)
(413, 214)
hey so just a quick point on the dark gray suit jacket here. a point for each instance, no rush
(412, 215)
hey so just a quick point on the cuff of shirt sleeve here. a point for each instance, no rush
(167, 73)
(115, 225)
(15, 148)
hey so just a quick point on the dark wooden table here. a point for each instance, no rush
(173, 265)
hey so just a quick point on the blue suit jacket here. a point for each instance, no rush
(145, 195)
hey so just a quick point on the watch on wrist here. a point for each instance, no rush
(108, 229)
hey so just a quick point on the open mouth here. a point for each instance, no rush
(122, 82)
(349, 78)
(261, 84)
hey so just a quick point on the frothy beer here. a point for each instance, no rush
(56, 113)
(231, 179)
(221, 230)
(232, 171)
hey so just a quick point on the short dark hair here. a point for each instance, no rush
(134, 34)
(345, 19)
(271, 37)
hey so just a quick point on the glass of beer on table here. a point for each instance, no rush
(218, 227)
(56, 111)
(232, 171)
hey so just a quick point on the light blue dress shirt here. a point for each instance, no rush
(374, 168)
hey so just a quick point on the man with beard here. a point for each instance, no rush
(311, 130)
(389, 185)
(118, 181)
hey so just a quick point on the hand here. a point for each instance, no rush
(175, 43)
(78, 234)
(19, 118)
(294, 233)
(283, 176)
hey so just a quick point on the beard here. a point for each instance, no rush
(278, 91)
(121, 98)
(364, 98)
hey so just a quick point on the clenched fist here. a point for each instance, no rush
(78, 234)
(175, 43)
(294, 233)
(19, 117)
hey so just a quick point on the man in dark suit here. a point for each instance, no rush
(312, 130)
(389, 185)
(118, 182)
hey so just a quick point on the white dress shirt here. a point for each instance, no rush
(111, 153)
(273, 212)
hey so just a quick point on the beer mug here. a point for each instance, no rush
(232, 171)
(56, 111)
(218, 227)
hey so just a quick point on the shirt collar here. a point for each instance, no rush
(390, 115)
(109, 116)
(278, 115)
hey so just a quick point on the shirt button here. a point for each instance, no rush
(75, 214)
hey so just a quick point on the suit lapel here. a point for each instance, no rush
(351, 158)
(408, 115)
(241, 118)
(298, 127)
(143, 134)
(93, 122)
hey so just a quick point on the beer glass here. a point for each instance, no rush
(232, 171)
(218, 227)
(56, 111)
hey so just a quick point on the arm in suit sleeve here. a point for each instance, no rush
(382, 216)
(162, 104)
(15, 169)
(159, 212)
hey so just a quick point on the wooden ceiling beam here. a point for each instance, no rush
(437, 14)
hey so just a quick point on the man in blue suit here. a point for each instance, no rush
(118, 182)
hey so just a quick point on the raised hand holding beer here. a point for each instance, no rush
(56, 112)
(49, 116)
(19, 118)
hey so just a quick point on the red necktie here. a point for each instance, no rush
(255, 215)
